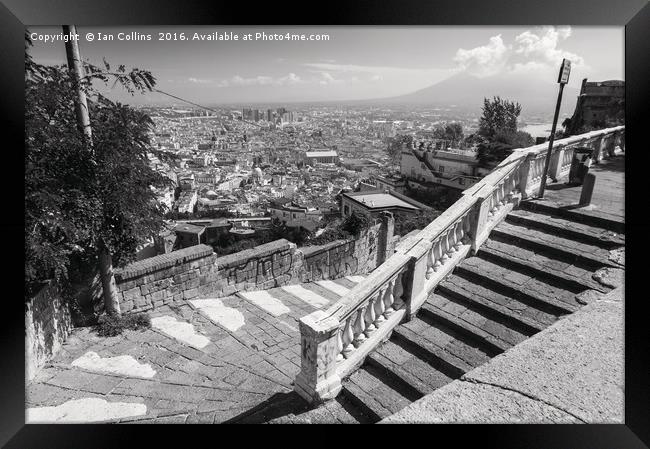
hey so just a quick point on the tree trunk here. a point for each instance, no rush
(111, 302)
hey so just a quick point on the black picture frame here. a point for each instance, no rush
(633, 14)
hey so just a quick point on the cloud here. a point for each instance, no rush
(542, 46)
(326, 78)
(386, 75)
(199, 81)
(485, 60)
(260, 80)
(534, 52)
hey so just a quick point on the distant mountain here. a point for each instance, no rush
(467, 91)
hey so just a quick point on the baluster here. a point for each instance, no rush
(388, 299)
(348, 336)
(379, 309)
(465, 226)
(436, 251)
(339, 345)
(398, 291)
(490, 213)
(369, 318)
(359, 327)
(458, 234)
(444, 249)
(495, 202)
(430, 262)
(451, 239)
(502, 194)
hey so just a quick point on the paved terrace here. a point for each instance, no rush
(608, 200)
(218, 360)
(207, 361)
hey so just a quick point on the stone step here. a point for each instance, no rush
(458, 344)
(336, 411)
(456, 289)
(537, 265)
(585, 233)
(371, 391)
(551, 209)
(580, 254)
(495, 298)
(364, 402)
(487, 341)
(446, 363)
(477, 270)
(471, 316)
(404, 366)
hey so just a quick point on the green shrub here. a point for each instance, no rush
(355, 223)
(110, 326)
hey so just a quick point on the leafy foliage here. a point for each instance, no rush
(451, 131)
(498, 135)
(112, 325)
(395, 144)
(499, 116)
(76, 199)
(355, 223)
(405, 223)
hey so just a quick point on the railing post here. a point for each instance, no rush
(318, 380)
(597, 150)
(555, 167)
(622, 144)
(610, 145)
(479, 218)
(525, 174)
(414, 294)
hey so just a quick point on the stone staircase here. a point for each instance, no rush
(524, 278)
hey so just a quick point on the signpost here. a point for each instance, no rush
(562, 79)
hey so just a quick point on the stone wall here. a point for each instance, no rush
(354, 256)
(47, 325)
(185, 274)
(197, 271)
(266, 266)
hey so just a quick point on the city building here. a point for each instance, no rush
(372, 203)
(186, 201)
(458, 169)
(391, 183)
(321, 157)
(600, 104)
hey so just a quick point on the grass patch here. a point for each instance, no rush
(110, 326)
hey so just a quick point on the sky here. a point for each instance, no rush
(354, 63)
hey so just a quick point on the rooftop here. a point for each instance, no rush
(329, 153)
(381, 200)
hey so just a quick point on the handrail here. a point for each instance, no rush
(370, 285)
(335, 341)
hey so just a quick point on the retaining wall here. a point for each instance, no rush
(197, 271)
(48, 323)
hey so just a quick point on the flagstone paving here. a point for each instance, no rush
(207, 361)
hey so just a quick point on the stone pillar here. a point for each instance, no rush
(524, 172)
(597, 153)
(622, 144)
(318, 380)
(479, 216)
(610, 145)
(386, 231)
(587, 189)
(555, 166)
(414, 279)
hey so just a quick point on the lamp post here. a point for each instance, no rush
(563, 78)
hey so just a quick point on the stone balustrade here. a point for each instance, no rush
(335, 342)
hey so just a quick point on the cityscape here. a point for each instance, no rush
(371, 248)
